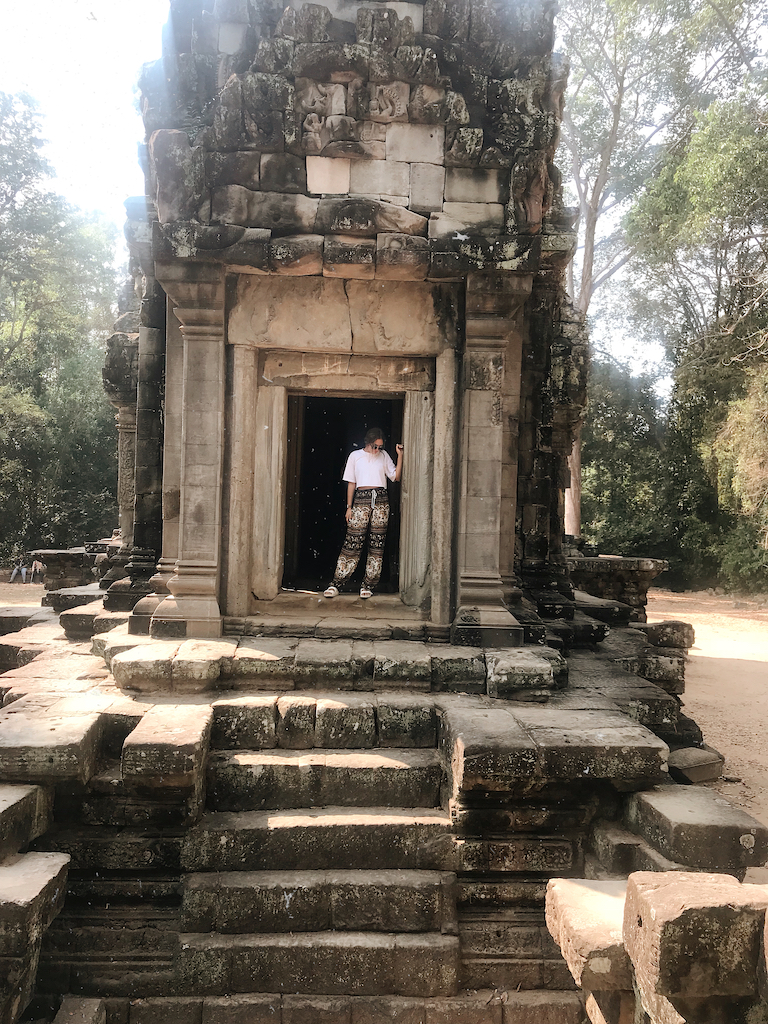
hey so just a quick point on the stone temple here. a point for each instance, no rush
(225, 799)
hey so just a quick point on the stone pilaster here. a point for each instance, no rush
(444, 493)
(491, 306)
(192, 609)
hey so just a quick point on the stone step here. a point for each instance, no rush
(323, 963)
(337, 720)
(72, 597)
(168, 748)
(271, 779)
(32, 890)
(697, 827)
(510, 974)
(296, 901)
(320, 838)
(78, 622)
(106, 621)
(25, 814)
(484, 1007)
(48, 748)
(16, 617)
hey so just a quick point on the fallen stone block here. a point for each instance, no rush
(48, 749)
(585, 919)
(32, 891)
(695, 764)
(668, 634)
(25, 814)
(692, 935)
(621, 852)
(168, 747)
(697, 827)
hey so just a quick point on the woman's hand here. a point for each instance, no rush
(348, 514)
(399, 449)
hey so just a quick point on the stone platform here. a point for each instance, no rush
(356, 830)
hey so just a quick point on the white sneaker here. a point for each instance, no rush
(365, 593)
(331, 591)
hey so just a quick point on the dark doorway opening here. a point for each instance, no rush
(321, 434)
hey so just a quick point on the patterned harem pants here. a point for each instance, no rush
(370, 512)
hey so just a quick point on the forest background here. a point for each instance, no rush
(665, 151)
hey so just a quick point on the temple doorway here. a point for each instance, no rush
(322, 432)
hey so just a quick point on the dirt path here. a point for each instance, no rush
(726, 686)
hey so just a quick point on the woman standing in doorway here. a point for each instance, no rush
(367, 511)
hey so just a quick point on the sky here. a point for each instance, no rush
(80, 60)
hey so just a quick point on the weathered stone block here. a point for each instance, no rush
(281, 172)
(383, 177)
(366, 217)
(397, 661)
(282, 214)
(485, 749)
(467, 218)
(76, 1010)
(405, 721)
(470, 185)
(199, 663)
(25, 814)
(296, 722)
(166, 1010)
(32, 891)
(241, 1009)
(345, 722)
(145, 666)
(247, 723)
(327, 661)
(168, 747)
(427, 187)
(416, 143)
(512, 670)
(668, 634)
(387, 1010)
(297, 255)
(34, 748)
(328, 175)
(585, 919)
(349, 257)
(267, 658)
(401, 257)
(697, 827)
(316, 1010)
(693, 935)
(179, 174)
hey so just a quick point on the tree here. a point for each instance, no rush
(57, 435)
(639, 71)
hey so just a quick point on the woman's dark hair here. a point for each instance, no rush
(373, 435)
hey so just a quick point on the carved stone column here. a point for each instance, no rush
(483, 617)
(192, 609)
(120, 375)
(444, 494)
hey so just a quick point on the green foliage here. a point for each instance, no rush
(57, 432)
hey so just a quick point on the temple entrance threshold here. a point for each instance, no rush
(322, 431)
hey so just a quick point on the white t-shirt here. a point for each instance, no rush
(365, 469)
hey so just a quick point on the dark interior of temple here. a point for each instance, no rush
(322, 432)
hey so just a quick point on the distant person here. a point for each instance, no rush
(38, 569)
(19, 568)
(367, 512)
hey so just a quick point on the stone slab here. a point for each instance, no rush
(405, 720)
(322, 962)
(199, 663)
(345, 722)
(585, 918)
(25, 814)
(146, 666)
(277, 901)
(49, 749)
(511, 670)
(32, 891)
(167, 749)
(697, 827)
(257, 780)
(693, 935)
(78, 1010)
(324, 837)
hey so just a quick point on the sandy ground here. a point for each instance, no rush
(20, 593)
(726, 688)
